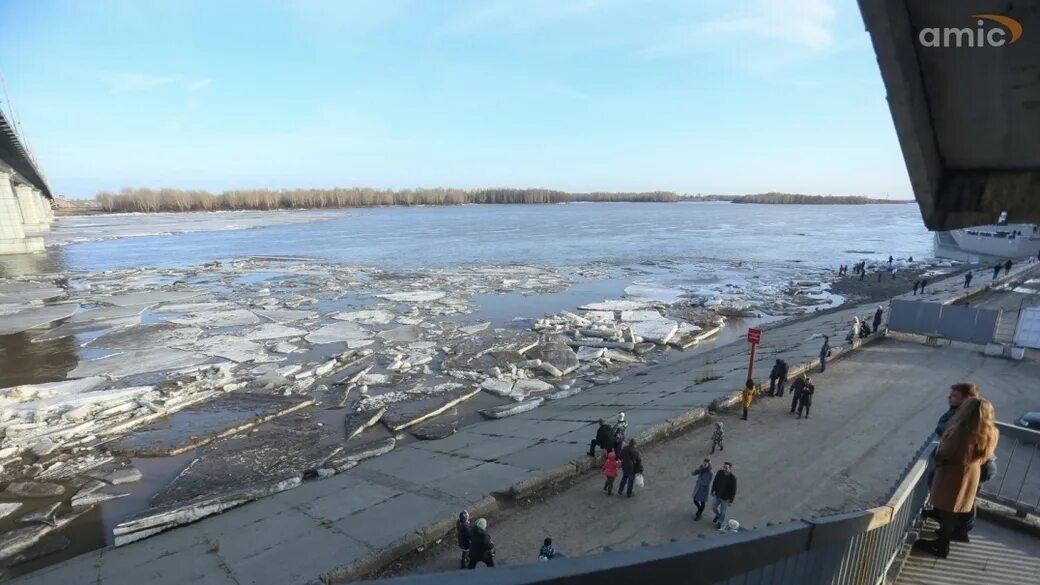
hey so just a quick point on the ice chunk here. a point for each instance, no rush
(366, 317)
(150, 297)
(139, 362)
(273, 331)
(146, 336)
(338, 332)
(228, 318)
(34, 317)
(616, 306)
(641, 315)
(402, 334)
(416, 296)
(659, 332)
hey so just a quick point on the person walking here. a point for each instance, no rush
(967, 279)
(917, 283)
(969, 440)
(631, 464)
(462, 528)
(747, 396)
(717, 437)
(1007, 267)
(924, 283)
(724, 490)
(862, 273)
(604, 439)
(482, 548)
(996, 271)
(701, 487)
(805, 402)
(610, 469)
(825, 352)
(878, 314)
(890, 259)
(797, 389)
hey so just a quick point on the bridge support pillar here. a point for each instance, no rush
(29, 206)
(12, 232)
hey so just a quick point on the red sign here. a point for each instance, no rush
(754, 336)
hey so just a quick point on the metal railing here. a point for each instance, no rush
(856, 548)
(1017, 483)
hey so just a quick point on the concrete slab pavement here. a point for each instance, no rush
(429, 481)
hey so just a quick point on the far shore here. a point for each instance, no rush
(175, 201)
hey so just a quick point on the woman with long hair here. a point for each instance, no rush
(970, 439)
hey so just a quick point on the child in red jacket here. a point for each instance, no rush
(610, 469)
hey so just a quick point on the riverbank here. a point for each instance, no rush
(871, 420)
(416, 490)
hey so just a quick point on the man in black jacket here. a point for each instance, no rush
(481, 548)
(778, 377)
(724, 489)
(631, 464)
(604, 439)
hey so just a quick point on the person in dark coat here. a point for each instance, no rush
(778, 375)
(462, 527)
(825, 352)
(724, 489)
(878, 314)
(796, 392)
(996, 271)
(482, 548)
(604, 439)
(924, 283)
(631, 464)
(805, 402)
(1007, 267)
(701, 487)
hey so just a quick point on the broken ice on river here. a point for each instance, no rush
(291, 369)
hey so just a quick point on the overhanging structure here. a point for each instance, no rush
(964, 90)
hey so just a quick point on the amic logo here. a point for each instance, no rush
(991, 30)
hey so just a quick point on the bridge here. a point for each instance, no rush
(25, 196)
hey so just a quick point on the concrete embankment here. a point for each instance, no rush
(349, 526)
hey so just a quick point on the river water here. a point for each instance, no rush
(661, 251)
(774, 235)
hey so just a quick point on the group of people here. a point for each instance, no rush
(862, 328)
(722, 486)
(963, 460)
(1006, 266)
(920, 284)
(629, 464)
(477, 547)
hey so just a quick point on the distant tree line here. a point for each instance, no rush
(794, 199)
(156, 200)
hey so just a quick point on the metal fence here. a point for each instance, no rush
(857, 548)
(949, 321)
(1017, 483)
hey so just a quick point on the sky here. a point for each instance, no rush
(708, 96)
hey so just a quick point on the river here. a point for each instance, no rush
(503, 267)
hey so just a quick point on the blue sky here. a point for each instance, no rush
(709, 96)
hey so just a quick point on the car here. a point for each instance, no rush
(1030, 420)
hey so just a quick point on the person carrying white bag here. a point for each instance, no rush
(631, 468)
